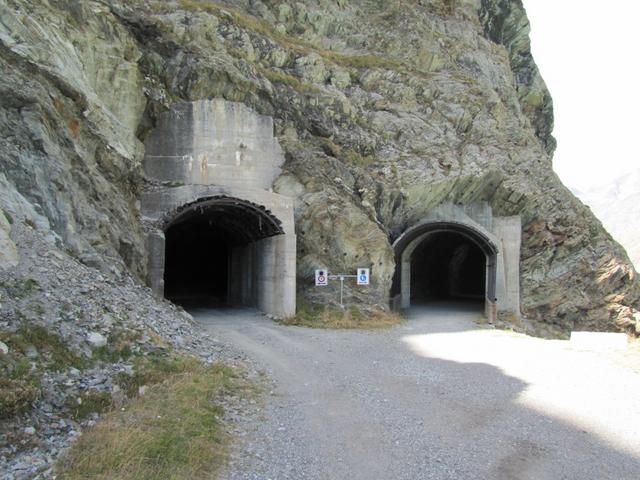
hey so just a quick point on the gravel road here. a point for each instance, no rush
(436, 398)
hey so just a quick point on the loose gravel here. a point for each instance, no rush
(85, 310)
(437, 398)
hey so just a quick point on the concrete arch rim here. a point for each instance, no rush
(487, 243)
(173, 216)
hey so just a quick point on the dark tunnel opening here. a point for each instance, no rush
(212, 252)
(196, 264)
(448, 266)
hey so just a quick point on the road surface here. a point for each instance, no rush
(436, 398)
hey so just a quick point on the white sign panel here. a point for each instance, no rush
(363, 276)
(322, 278)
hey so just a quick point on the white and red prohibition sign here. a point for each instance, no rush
(322, 279)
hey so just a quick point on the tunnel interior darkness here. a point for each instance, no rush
(199, 242)
(447, 266)
(196, 263)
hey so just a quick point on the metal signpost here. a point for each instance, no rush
(323, 277)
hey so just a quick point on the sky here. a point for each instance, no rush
(588, 52)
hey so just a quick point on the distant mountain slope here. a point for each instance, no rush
(617, 205)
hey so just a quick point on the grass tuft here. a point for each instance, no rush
(56, 355)
(262, 27)
(319, 316)
(153, 369)
(276, 76)
(173, 431)
(21, 288)
(17, 396)
(20, 375)
(7, 216)
(120, 347)
(49, 345)
(90, 402)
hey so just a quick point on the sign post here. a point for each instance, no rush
(323, 277)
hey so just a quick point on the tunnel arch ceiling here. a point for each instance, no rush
(245, 221)
(210, 165)
(497, 238)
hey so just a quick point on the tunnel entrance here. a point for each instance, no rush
(440, 260)
(447, 266)
(196, 263)
(217, 252)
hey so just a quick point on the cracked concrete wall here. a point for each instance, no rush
(213, 142)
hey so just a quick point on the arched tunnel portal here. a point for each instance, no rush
(442, 260)
(225, 251)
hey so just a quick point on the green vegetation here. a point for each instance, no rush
(7, 216)
(19, 378)
(89, 402)
(153, 369)
(108, 354)
(444, 8)
(331, 148)
(277, 76)
(18, 394)
(21, 288)
(361, 61)
(319, 316)
(119, 347)
(264, 28)
(354, 158)
(347, 155)
(55, 355)
(173, 431)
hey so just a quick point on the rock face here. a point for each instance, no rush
(384, 110)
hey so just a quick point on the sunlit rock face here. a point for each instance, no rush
(384, 110)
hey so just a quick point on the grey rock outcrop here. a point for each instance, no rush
(384, 110)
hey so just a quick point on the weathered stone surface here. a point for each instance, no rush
(8, 252)
(213, 143)
(71, 94)
(384, 110)
(96, 339)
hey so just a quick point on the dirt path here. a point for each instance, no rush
(436, 398)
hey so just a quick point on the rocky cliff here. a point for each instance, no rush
(385, 109)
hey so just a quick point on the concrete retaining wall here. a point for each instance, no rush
(262, 273)
(509, 232)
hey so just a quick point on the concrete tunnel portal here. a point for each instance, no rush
(445, 260)
(214, 252)
(216, 232)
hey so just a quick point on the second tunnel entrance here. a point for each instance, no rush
(447, 266)
(445, 260)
